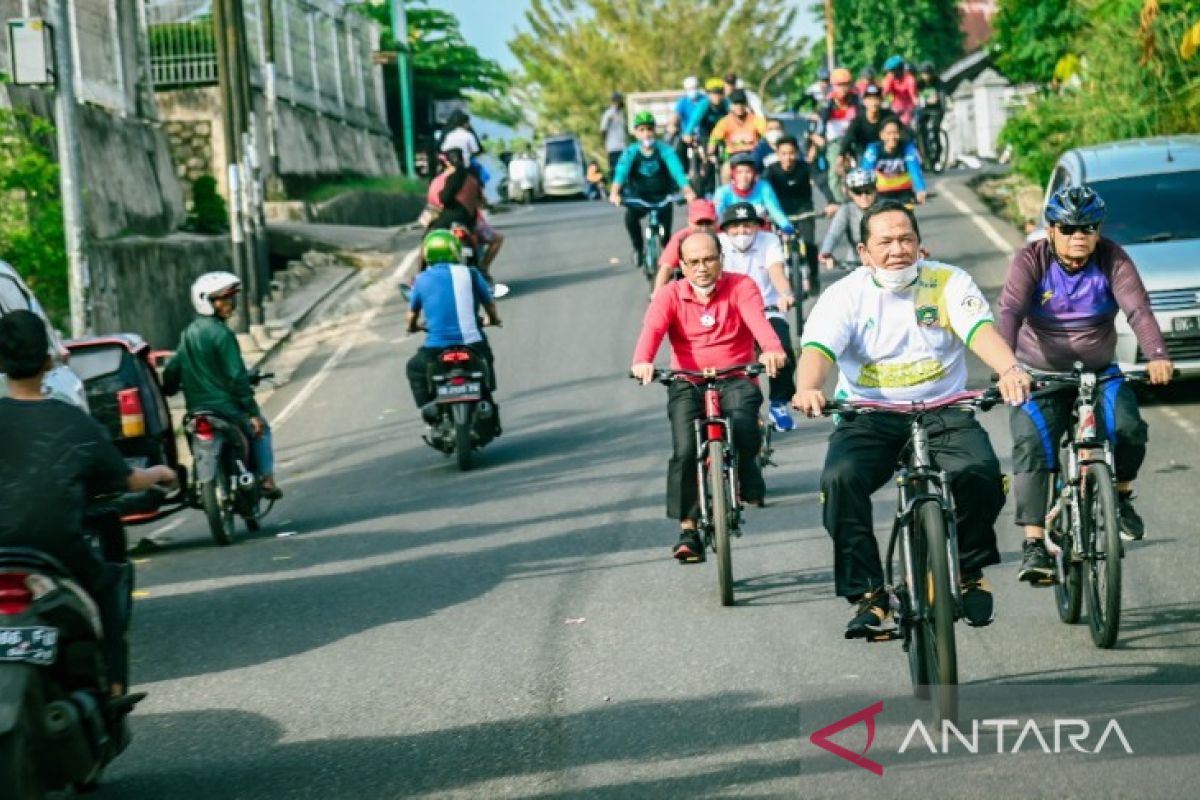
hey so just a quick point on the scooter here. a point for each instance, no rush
(59, 727)
(462, 418)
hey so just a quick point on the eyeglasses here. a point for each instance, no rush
(1071, 230)
(707, 260)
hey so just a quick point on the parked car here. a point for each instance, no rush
(126, 397)
(60, 382)
(1150, 187)
(564, 172)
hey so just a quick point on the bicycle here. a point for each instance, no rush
(934, 144)
(1083, 529)
(716, 467)
(652, 236)
(795, 259)
(927, 599)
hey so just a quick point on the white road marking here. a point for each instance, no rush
(1189, 427)
(170, 526)
(988, 229)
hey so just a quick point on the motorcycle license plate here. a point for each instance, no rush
(36, 645)
(471, 390)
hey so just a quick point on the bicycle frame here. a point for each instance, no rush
(713, 426)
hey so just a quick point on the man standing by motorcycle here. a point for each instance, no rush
(450, 296)
(54, 458)
(208, 366)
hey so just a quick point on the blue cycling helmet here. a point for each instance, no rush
(893, 63)
(1075, 205)
(822, 73)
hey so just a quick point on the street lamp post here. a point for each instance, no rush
(403, 68)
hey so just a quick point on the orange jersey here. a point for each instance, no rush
(739, 136)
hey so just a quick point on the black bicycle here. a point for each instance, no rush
(653, 235)
(1083, 528)
(795, 259)
(927, 597)
(716, 467)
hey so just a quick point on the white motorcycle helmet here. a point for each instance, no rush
(212, 284)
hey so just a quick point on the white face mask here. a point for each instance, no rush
(895, 280)
(741, 241)
(703, 291)
(648, 140)
(774, 136)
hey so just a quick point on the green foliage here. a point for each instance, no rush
(574, 53)
(31, 222)
(391, 185)
(867, 32)
(1030, 36)
(209, 212)
(505, 109)
(1132, 82)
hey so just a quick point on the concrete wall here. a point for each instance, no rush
(312, 147)
(141, 284)
(373, 209)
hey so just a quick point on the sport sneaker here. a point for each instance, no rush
(1036, 563)
(1132, 527)
(781, 417)
(872, 617)
(978, 605)
(689, 549)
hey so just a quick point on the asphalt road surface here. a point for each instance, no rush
(400, 629)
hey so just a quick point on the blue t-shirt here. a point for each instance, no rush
(687, 104)
(450, 295)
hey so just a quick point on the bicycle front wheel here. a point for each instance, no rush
(1068, 589)
(1102, 554)
(652, 250)
(937, 603)
(718, 493)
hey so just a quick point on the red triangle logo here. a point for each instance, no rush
(821, 738)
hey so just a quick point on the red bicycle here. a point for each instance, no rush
(716, 467)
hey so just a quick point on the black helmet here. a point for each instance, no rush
(738, 159)
(1075, 205)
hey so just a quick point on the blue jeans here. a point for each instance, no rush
(264, 453)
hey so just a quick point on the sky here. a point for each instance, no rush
(489, 24)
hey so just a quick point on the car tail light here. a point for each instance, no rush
(15, 594)
(133, 421)
(454, 356)
(204, 428)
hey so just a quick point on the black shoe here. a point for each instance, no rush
(689, 549)
(1036, 563)
(1132, 527)
(270, 491)
(978, 606)
(872, 617)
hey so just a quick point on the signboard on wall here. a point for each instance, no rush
(32, 51)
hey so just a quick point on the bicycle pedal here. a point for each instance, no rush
(886, 636)
(1041, 583)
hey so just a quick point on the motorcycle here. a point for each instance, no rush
(225, 485)
(59, 727)
(462, 418)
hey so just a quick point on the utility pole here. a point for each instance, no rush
(259, 250)
(69, 159)
(232, 148)
(829, 29)
(400, 38)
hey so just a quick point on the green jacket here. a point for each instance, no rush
(208, 366)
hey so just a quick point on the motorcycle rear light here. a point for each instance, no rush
(15, 594)
(460, 233)
(453, 356)
(133, 421)
(204, 428)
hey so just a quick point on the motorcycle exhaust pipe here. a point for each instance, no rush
(73, 758)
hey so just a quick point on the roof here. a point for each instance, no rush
(130, 341)
(1138, 157)
(966, 68)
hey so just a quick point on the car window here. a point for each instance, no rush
(1059, 180)
(12, 297)
(92, 362)
(1150, 208)
(562, 152)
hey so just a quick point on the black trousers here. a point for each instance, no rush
(783, 385)
(862, 456)
(633, 224)
(1038, 427)
(417, 371)
(109, 581)
(806, 231)
(740, 402)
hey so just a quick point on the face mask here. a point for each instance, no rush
(742, 241)
(895, 280)
(648, 141)
(774, 136)
(703, 291)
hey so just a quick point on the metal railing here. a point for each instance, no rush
(323, 53)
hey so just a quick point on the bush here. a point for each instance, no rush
(32, 237)
(209, 212)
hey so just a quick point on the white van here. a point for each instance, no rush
(61, 383)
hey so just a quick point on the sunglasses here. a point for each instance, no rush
(863, 191)
(1071, 230)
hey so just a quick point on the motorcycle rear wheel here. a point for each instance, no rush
(463, 451)
(220, 516)
(18, 761)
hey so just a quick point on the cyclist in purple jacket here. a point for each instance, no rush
(1058, 306)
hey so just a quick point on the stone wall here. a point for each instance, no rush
(192, 151)
(141, 284)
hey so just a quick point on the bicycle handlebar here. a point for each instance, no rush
(665, 376)
(638, 202)
(982, 400)
(1043, 380)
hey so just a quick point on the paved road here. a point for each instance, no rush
(400, 629)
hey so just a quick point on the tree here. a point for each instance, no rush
(867, 32)
(1030, 37)
(575, 53)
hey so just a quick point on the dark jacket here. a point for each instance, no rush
(208, 366)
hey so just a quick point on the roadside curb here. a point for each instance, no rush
(293, 326)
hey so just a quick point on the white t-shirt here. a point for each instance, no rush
(765, 251)
(463, 140)
(899, 346)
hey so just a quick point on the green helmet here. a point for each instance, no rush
(644, 118)
(441, 247)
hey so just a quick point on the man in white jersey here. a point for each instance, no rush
(898, 329)
(750, 251)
